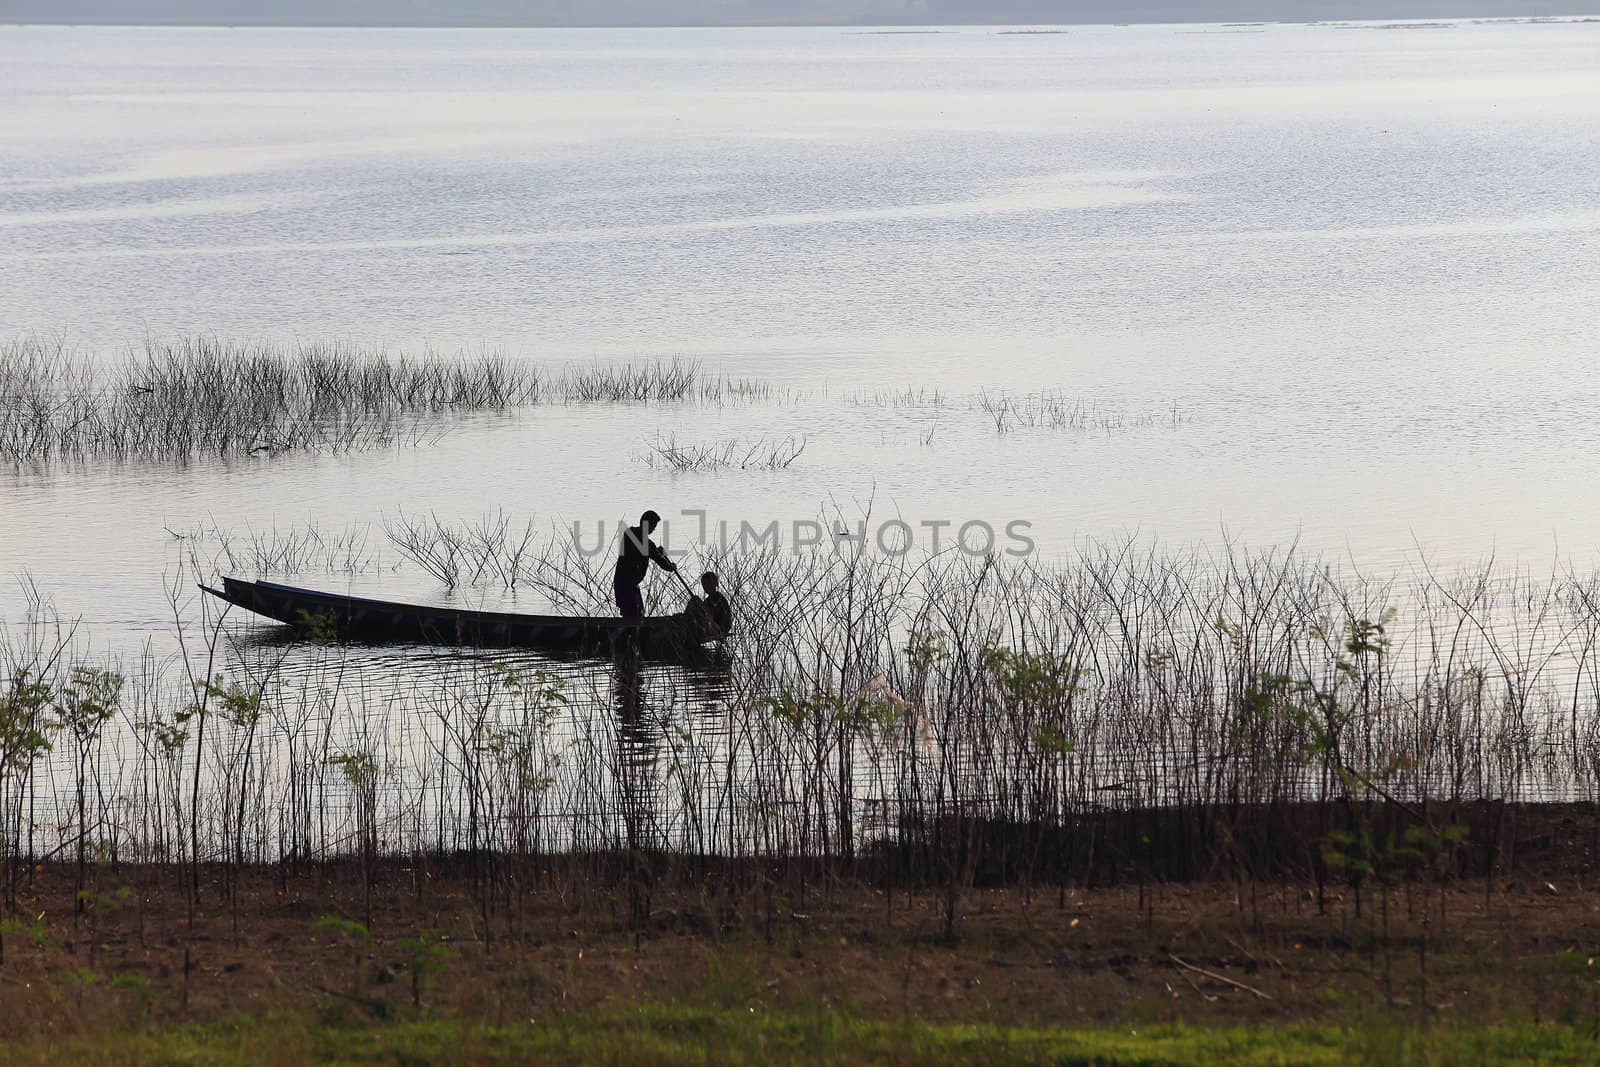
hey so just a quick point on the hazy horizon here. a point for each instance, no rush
(755, 12)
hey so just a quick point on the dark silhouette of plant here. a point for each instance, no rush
(90, 698)
(360, 771)
(24, 738)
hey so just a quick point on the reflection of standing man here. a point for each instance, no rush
(633, 563)
(628, 690)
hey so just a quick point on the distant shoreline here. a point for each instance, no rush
(860, 24)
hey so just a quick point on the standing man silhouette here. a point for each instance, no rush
(633, 563)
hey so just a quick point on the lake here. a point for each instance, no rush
(1325, 283)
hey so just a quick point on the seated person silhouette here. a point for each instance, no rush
(713, 611)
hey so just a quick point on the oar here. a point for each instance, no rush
(684, 582)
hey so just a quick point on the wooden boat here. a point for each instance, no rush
(362, 619)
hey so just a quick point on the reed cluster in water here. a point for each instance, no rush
(204, 395)
(208, 396)
(1127, 714)
(762, 453)
(1056, 411)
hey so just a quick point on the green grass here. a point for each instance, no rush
(672, 1036)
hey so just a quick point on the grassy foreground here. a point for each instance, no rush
(669, 1035)
(314, 968)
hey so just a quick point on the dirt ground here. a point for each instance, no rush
(1510, 949)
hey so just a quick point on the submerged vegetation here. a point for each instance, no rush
(760, 454)
(953, 721)
(201, 395)
(1056, 411)
(204, 395)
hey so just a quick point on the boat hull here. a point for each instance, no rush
(381, 621)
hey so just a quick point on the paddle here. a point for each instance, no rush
(684, 582)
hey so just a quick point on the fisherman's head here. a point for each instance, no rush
(709, 581)
(649, 521)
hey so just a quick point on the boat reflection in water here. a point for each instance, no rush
(644, 734)
(615, 752)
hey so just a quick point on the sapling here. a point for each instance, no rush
(241, 708)
(1580, 966)
(144, 993)
(164, 740)
(353, 935)
(90, 699)
(360, 770)
(424, 956)
(24, 738)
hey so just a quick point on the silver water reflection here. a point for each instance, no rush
(1359, 261)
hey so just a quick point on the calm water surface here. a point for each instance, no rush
(1359, 263)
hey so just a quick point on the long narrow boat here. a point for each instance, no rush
(380, 620)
